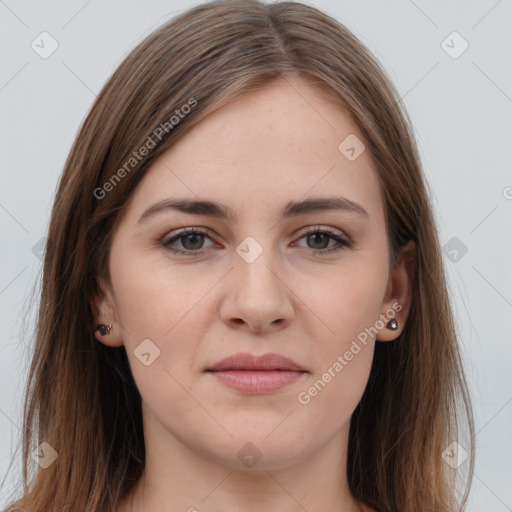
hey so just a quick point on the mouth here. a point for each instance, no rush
(250, 374)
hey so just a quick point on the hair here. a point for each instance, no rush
(81, 397)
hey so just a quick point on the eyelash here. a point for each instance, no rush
(342, 243)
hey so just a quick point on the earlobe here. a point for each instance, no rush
(108, 335)
(397, 300)
(106, 328)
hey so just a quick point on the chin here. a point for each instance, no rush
(257, 452)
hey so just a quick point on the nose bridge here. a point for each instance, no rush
(258, 296)
(254, 268)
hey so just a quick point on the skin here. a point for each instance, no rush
(253, 155)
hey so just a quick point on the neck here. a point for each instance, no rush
(176, 477)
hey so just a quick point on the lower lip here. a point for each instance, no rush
(257, 382)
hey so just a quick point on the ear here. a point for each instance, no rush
(398, 292)
(104, 311)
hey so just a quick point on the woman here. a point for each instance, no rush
(243, 302)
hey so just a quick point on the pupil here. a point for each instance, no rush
(192, 236)
(317, 235)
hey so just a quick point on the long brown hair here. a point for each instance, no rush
(81, 398)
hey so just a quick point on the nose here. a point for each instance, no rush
(257, 299)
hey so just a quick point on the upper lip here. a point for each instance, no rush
(246, 361)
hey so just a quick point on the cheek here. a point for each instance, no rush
(348, 307)
(158, 311)
(344, 352)
(348, 300)
(152, 296)
(331, 397)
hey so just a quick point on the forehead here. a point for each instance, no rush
(264, 149)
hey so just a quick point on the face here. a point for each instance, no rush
(306, 283)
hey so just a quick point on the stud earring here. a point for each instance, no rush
(104, 329)
(392, 324)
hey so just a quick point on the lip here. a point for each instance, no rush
(251, 374)
(247, 361)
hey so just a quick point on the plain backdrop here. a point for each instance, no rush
(460, 102)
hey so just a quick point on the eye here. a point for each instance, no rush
(320, 237)
(192, 240)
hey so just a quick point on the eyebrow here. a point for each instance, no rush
(291, 209)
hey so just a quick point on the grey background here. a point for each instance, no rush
(462, 112)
